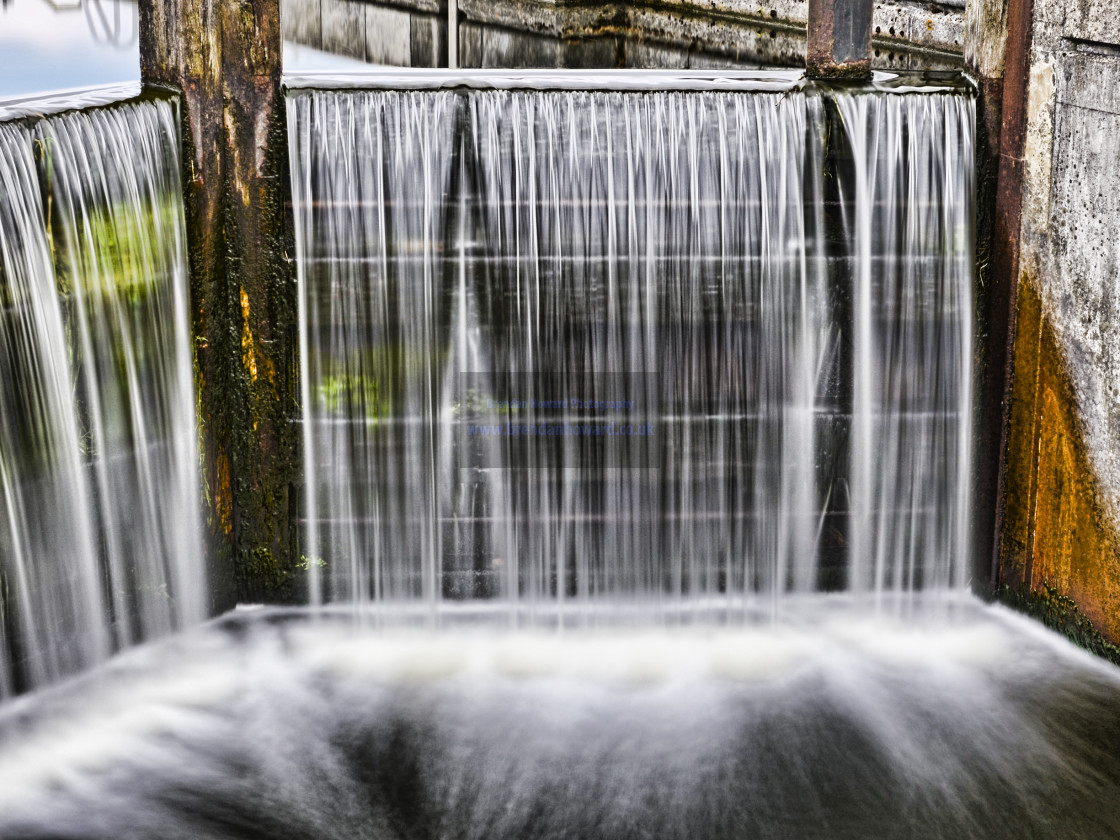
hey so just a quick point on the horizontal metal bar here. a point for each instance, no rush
(598, 80)
(762, 81)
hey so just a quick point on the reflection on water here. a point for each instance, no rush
(110, 21)
(48, 45)
(505, 36)
(508, 34)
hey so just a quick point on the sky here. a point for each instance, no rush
(44, 48)
(49, 45)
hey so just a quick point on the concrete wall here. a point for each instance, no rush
(1061, 506)
(558, 33)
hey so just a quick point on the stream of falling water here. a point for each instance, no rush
(909, 226)
(753, 309)
(100, 534)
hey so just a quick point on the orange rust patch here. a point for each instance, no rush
(1054, 529)
(248, 349)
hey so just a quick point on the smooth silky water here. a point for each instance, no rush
(100, 524)
(750, 620)
(788, 345)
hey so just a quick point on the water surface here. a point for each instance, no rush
(960, 722)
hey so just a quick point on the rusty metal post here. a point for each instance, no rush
(839, 39)
(1006, 229)
(224, 57)
(997, 49)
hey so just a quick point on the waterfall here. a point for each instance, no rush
(385, 275)
(909, 227)
(773, 287)
(100, 540)
(51, 605)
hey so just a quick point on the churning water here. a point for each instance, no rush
(969, 725)
(575, 345)
(100, 540)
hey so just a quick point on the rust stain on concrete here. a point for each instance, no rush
(1055, 531)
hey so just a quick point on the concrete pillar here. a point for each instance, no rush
(224, 56)
(839, 44)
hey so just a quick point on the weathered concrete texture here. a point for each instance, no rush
(487, 46)
(716, 25)
(225, 59)
(1082, 254)
(1056, 533)
(736, 28)
(558, 18)
(985, 37)
(1092, 20)
(1038, 142)
(686, 33)
(756, 41)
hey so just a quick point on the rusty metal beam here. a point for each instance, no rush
(839, 39)
(1004, 268)
(224, 57)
